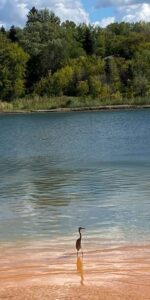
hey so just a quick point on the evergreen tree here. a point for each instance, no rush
(2, 30)
(12, 34)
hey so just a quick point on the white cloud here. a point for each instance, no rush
(139, 12)
(2, 25)
(105, 22)
(12, 12)
(15, 11)
(66, 9)
(118, 3)
(128, 10)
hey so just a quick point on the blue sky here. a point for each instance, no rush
(98, 12)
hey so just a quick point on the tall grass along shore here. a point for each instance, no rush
(37, 103)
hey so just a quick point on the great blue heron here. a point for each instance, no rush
(78, 241)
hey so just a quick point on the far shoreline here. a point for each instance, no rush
(78, 109)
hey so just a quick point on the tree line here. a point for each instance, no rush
(52, 58)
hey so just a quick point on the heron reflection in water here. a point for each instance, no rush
(78, 241)
(79, 264)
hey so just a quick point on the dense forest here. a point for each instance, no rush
(48, 58)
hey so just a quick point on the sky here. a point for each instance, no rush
(96, 12)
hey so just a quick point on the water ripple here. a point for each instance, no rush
(60, 171)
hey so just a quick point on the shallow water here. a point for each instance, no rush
(59, 171)
(40, 264)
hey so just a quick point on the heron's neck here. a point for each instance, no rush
(80, 234)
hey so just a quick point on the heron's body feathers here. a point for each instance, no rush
(78, 244)
(78, 241)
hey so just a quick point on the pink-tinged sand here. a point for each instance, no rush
(48, 272)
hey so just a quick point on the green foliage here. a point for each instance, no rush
(82, 88)
(44, 86)
(12, 69)
(95, 86)
(42, 26)
(2, 30)
(112, 74)
(85, 35)
(49, 58)
(13, 34)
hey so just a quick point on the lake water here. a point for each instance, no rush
(59, 171)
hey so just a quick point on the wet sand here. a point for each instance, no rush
(41, 271)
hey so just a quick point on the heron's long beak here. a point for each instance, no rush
(82, 228)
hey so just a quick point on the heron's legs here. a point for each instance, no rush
(79, 252)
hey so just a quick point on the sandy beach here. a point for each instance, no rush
(39, 271)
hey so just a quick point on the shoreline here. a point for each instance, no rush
(51, 272)
(78, 109)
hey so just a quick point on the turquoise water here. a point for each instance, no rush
(59, 171)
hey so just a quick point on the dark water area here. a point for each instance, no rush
(59, 171)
